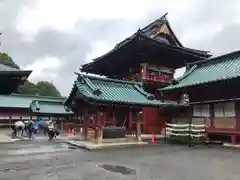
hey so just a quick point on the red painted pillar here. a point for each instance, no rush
(114, 118)
(212, 116)
(94, 123)
(99, 123)
(84, 127)
(234, 139)
(145, 129)
(237, 107)
(130, 120)
(104, 118)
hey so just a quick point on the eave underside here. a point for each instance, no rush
(222, 90)
(137, 51)
(10, 81)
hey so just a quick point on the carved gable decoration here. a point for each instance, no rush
(164, 29)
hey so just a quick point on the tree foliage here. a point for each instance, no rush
(46, 88)
(42, 88)
(29, 88)
(7, 60)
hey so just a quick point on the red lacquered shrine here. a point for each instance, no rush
(151, 56)
(110, 102)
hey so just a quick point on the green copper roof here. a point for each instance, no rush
(113, 91)
(24, 101)
(7, 69)
(49, 107)
(215, 69)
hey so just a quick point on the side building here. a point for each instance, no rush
(17, 107)
(212, 88)
(150, 56)
(11, 79)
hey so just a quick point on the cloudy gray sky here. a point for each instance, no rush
(54, 37)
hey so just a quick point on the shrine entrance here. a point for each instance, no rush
(110, 123)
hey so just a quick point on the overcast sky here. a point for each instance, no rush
(54, 37)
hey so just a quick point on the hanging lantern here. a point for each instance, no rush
(184, 99)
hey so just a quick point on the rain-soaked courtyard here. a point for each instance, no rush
(40, 159)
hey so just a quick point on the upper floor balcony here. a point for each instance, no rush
(159, 78)
(150, 77)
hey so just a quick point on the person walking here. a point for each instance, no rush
(30, 129)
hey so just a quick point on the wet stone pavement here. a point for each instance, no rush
(43, 160)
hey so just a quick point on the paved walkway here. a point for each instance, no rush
(231, 145)
(93, 146)
(49, 160)
(5, 138)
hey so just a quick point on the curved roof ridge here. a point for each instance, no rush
(36, 96)
(108, 79)
(187, 73)
(148, 95)
(155, 21)
(213, 59)
(49, 101)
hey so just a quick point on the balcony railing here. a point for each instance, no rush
(154, 78)
(135, 77)
(149, 77)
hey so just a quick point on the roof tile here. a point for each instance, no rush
(215, 69)
(48, 107)
(24, 101)
(114, 91)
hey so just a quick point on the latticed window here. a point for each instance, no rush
(201, 110)
(224, 109)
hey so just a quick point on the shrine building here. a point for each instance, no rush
(149, 56)
(15, 107)
(212, 88)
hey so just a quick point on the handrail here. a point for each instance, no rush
(148, 77)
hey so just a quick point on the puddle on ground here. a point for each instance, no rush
(118, 169)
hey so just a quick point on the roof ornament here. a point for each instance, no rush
(97, 92)
(80, 77)
(174, 81)
(165, 15)
(67, 109)
(150, 97)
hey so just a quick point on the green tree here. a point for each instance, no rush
(29, 88)
(46, 88)
(42, 88)
(7, 60)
